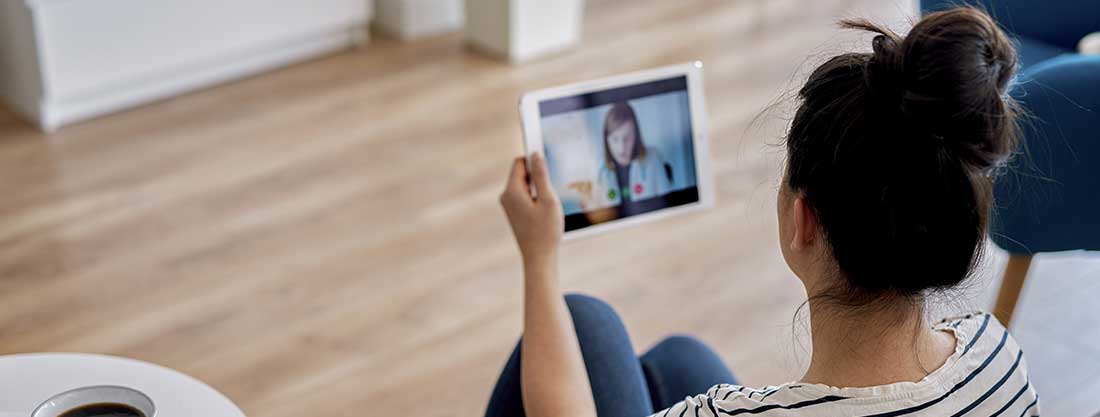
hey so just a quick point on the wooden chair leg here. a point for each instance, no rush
(1015, 274)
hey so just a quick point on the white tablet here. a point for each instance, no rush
(624, 149)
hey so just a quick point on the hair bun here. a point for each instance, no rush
(890, 149)
(949, 76)
(883, 70)
(883, 45)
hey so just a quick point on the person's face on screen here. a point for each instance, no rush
(621, 142)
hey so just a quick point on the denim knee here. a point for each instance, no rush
(585, 302)
(591, 312)
(681, 342)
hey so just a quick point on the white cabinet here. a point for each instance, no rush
(411, 19)
(521, 30)
(68, 60)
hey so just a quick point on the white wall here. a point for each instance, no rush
(104, 55)
(20, 84)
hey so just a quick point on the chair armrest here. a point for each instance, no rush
(1058, 22)
(1049, 197)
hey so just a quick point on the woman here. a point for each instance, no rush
(631, 172)
(885, 199)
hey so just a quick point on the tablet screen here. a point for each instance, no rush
(620, 152)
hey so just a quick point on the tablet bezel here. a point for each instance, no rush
(532, 134)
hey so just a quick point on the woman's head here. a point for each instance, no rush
(622, 140)
(890, 159)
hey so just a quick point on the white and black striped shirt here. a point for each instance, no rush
(986, 376)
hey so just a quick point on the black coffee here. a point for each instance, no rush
(103, 410)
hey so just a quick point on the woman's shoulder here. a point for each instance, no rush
(652, 163)
(982, 341)
(977, 317)
(977, 329)
(727, 399)
(652, 157)
(728, 392)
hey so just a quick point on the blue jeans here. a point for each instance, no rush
(623, 385)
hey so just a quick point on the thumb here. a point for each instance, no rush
(540, 175)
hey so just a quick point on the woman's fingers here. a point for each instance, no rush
(518, 173)
(516, 187)
(540, 175)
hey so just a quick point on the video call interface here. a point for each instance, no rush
(620, 152)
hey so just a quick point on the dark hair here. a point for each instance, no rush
(619, 114)
(894, 151)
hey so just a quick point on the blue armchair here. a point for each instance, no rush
(1049, 198)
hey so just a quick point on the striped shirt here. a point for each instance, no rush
(986, 376)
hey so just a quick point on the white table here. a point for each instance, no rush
(27, 380)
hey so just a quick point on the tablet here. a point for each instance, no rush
(625, 149)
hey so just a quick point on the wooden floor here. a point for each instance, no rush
(1057, 322)
(325, 239)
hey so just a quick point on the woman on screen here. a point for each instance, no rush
(630, 172)
(884, 202)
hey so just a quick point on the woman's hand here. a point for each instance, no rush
(584, 189)
(594, 215)
(554, 381)
(537, 222)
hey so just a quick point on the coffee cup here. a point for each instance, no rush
(92, 401)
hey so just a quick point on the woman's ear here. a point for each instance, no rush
(805, 225)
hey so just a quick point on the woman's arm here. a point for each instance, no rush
(554, 380)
